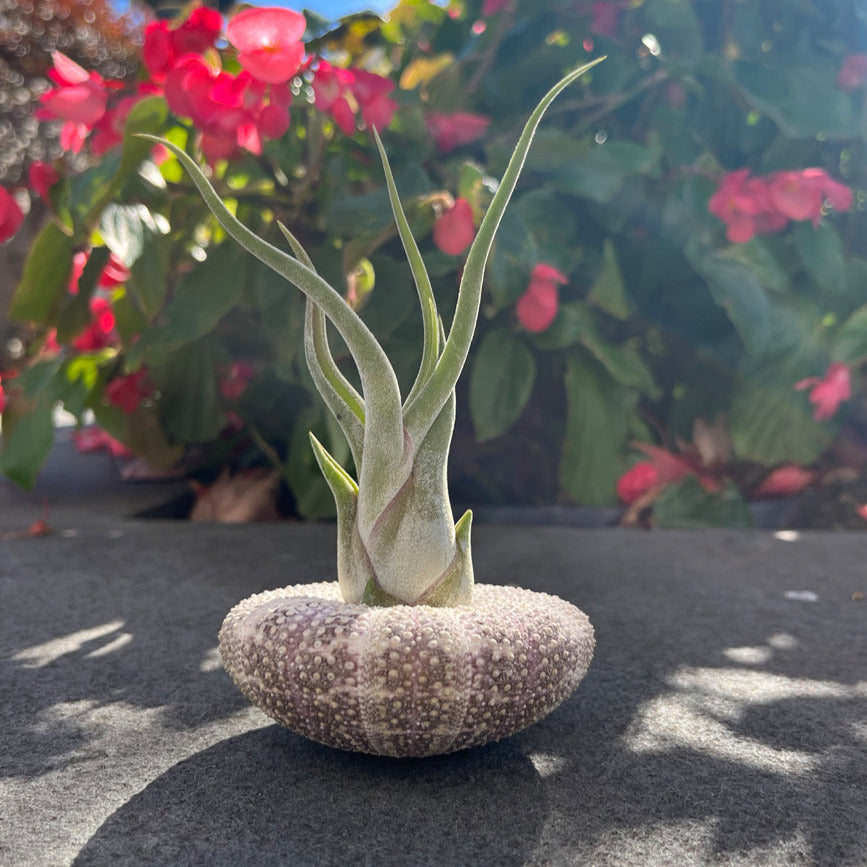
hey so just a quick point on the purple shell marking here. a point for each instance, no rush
(406, 680)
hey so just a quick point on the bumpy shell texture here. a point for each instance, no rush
(406, 680)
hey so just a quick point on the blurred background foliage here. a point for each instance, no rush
(671, 345)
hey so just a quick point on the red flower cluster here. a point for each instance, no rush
(636, 482)
(450, 131)
(231, 111)
(236, 379)
(759, 206)
(42, 177)
(537, 307)
(829, 391)
(11, 216)
(343, 92)
(100, 333)
(663, 468)
(127, 392)
(454, 229)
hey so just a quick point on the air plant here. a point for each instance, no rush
(407, 657)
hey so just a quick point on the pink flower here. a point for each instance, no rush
(79, 260)
(72, 136)
(164, 45)
(198, 33)
(42, 177)
(636, 482)
(273, 121)
(236, 380)
(454, 230)
(95, 439)
(127, 392)
(3, 399)
(785, 480)
(11, 215)
(828, 392)
(158, 54)
(80, 96)
(744, 205)
(450, 131)
(371, 92)
(114, 274)
(537, 308)
(853, 72)
(268, 42)
(862, 511)
(800, 195)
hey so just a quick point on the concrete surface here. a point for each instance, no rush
(722, 720)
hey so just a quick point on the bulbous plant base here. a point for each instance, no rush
(405, 680)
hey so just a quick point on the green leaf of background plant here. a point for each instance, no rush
(601, 173)
(687, 505)
(608, 292)
(758, 257)
(46, 272)
(511, 261)
(149, 281)
(190, 406)
(822, 254)
(850, 342)
(28, 436)
(597, 428)
(676, 28)
(501, 382)
(735, 287)
(204, 295)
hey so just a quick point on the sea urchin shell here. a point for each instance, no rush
(406, 680)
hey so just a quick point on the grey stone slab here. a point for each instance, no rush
(721, 722)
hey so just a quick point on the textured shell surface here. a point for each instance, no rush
(409, 680)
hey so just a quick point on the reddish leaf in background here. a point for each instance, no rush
(784, 481)
(827, 393)
(454, 229)
(450, 131)
(636, 482)
(537, 308)
(268, 42)
(11, 215)
(853, 72)
(41, 177)
(95, 439)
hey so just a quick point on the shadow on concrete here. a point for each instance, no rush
(270, 797)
